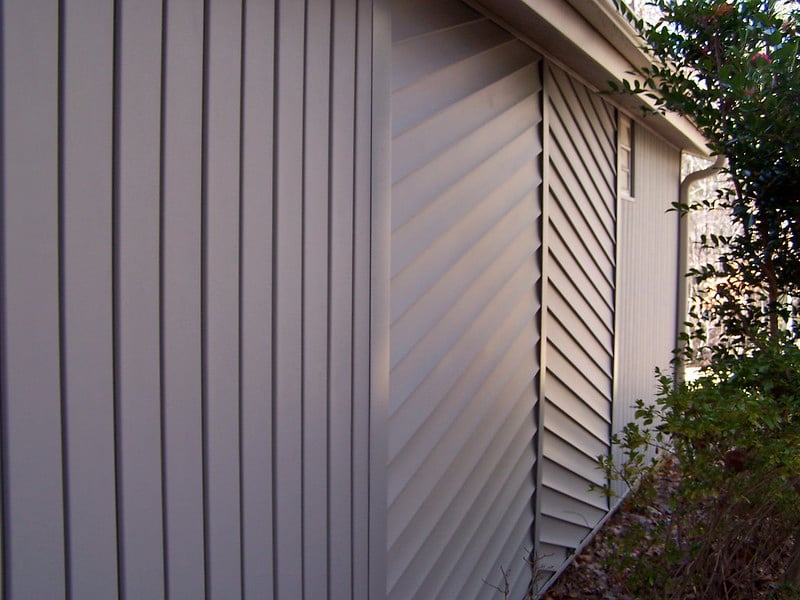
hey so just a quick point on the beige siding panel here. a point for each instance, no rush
(87, 298)
(569, 509)
(648, 274)
(315, 298)
(460, 375)
(567, 299)
(571, 283)
(419, 17)
(453, 454)
(583, 107)
(563, 368)
(447, 300)
(577, 245)
(421, 56)
(187, 274)
(561, 479)
(257, 271)
(416, 147)
(581, 412)
(564, 452)
(458, 503)
(464, 302)
(340, 378)
(222, 302)
(569, 429)
(579, 291)
(182, 169)
(595, 368)
(578, 332)
(562, 533)
(513, 439)
(137, 287)
(593, 191)
(421, 100)
(33, 513)
(551, 557)
(509, 544)
(444, 238)
(568, 187)
(481, 161)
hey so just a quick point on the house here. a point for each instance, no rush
(320, 299)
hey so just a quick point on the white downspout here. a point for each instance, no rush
(683, 249)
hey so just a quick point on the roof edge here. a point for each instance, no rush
(601, 47)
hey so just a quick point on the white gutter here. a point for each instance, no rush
(683, 249)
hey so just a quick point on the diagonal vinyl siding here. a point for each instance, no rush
(464, 302)
(579, 318)
(186, 300)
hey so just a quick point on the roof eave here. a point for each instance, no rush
(601, 47)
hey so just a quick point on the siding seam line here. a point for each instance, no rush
(62, 343)
(161, 303)
(115, 300)
(240, 300)
(274, 292)
(204, 293)
(329, 292)
(4, 584)
(545, 259)
(302, 277)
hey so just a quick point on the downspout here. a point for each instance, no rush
(683, 250)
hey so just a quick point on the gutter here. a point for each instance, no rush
(613, 26)
(682, 308)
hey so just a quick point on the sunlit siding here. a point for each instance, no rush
(464, 302)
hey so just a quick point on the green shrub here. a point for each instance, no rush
(735, 434)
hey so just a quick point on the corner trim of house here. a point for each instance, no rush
(379, 19)
(545, 77)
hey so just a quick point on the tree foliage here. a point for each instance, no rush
(732, 68)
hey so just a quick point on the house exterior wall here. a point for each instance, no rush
(310, 299)
(186, 333)
(578, 318)
(647, 320)
(464, 324)
(458, 89)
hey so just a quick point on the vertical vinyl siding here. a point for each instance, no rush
(181, 310)
(341, 289)
(648, 274)
(464, 335)
(186, 306)
(257, 327)
(221, 229)
(33, 528)
(379, 303)
(315, 343)
(87, 299)
(578, 351)
(137, 295)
